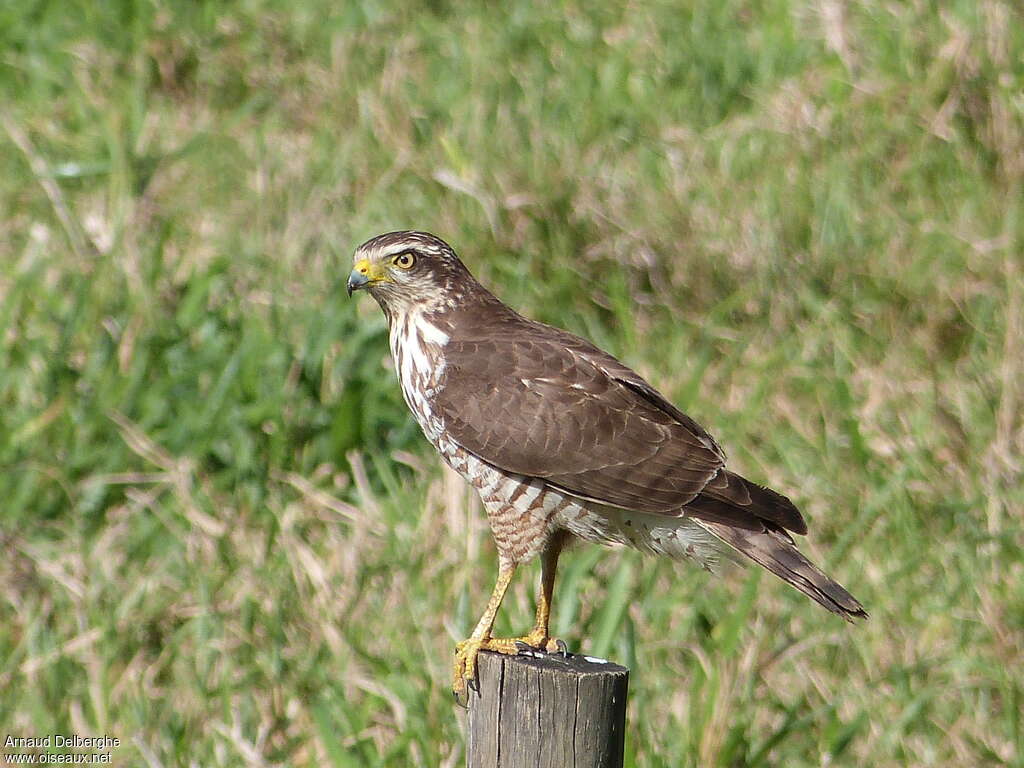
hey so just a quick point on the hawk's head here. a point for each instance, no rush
(402, 270)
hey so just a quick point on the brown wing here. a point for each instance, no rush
(537, 408)
(541, 402)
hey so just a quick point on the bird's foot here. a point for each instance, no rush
(538, 641)
(464, 671)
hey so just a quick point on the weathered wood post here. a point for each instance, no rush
(546, 711)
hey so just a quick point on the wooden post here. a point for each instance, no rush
(546, 711)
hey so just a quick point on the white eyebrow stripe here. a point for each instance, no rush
(387, 252)
(394, 250)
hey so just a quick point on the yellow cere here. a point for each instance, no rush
(373, 272)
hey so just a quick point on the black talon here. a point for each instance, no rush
(562, 648)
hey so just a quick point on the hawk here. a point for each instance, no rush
(562, 441)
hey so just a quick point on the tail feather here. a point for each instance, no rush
(775, 550)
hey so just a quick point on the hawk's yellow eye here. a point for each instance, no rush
(404, 260)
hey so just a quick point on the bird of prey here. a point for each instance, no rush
(561, 440)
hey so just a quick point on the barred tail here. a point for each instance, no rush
(775, 550)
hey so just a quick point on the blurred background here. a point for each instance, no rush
(223, 539)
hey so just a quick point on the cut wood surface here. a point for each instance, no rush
(547, 711)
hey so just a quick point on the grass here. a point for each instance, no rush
(224, 540)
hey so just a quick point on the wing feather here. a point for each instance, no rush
(539, 401)
(573, 415)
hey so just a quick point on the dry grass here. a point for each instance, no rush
(224, 541)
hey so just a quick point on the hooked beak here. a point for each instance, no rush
(361, 276)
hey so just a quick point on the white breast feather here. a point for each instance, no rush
(418, 374)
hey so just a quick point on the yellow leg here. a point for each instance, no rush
(466, 651)
(539, 637)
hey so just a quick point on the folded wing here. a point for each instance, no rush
(544, 403)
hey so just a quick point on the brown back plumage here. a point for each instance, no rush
(539, 401)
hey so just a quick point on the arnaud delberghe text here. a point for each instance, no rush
(62, 741)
